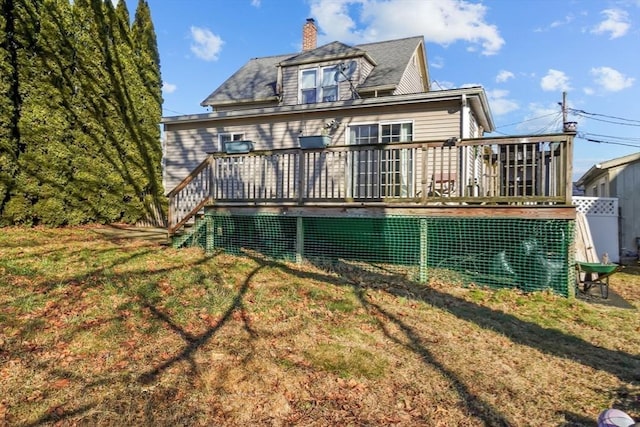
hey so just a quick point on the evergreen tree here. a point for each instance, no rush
(8, 113)
(147, 60)
(47, 165)
(22, 27)
(100, 168)
(80, 105)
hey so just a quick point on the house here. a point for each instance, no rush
(378, 92)
(346, 152)
(619, 178)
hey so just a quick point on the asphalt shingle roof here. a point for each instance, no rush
(256, 80)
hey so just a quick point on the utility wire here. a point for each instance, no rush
(528, 120)
(599, 141)
(585, 113)
(174, 112)
(622, 138)
(609, 121)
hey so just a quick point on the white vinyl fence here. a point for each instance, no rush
(602, 217)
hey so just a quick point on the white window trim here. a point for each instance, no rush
(380, 124)
(319, 78)
(398, 122)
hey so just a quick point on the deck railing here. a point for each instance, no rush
(517, 170)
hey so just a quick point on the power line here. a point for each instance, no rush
(174, 112)
(608, 121)
(599, 141)
(586, 113)
(551, 125)
(622, 138)
(528, 120)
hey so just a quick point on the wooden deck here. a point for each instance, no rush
(519, 177)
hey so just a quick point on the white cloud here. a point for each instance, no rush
(437, 62)
(616, 23)
(555, 81)
(499, 102)
(611, 80)
(588, 91)
(555, 24)
(504, 75)
(205, 45)
(567, 20)
(255, 3)
(168, 87)
(440, 21)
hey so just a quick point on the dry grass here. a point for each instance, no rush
(106, 332)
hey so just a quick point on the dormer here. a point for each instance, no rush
(328, 73)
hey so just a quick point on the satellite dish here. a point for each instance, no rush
(345, 70)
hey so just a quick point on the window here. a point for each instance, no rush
(382, 173)
(381, 133)
(363, 134)
(228, 137)
(396, 132)
(318, 85)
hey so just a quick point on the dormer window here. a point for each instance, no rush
(318, 85)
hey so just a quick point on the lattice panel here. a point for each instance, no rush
(602, 206)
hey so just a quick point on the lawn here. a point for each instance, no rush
(101, 330)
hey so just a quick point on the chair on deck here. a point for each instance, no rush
(443, 184)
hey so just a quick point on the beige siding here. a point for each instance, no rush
(290, 86)
(411, 81)
(364, 69)
(186, 147)
(474, 130)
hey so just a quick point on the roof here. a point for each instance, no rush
(256, 80)
(392, 58)
(600, 168)
(333, 50)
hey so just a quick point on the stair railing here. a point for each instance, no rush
(190, 196)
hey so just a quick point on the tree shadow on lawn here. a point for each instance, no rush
(194, 342)
(625, 366)
(553, 342)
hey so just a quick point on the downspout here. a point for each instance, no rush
(463, 153)
(465, 131)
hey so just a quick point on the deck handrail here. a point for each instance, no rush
(515, 170)
(190, 196)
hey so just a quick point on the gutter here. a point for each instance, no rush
(475, 96)
(590, 174)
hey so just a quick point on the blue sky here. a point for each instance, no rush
(525, 54)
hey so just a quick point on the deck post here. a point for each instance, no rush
(424, 183)
(209, 234)
(301, 177)
(422, 268)
(299, 239)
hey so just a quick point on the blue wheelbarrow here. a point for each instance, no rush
(590, 274)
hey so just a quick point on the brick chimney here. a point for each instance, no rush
(309, 35)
